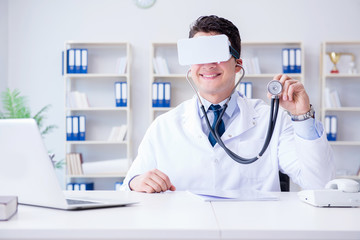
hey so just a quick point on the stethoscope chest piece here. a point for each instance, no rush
(274, 87)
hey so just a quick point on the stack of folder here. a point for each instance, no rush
(161, 94)
(291, 60)
(77, 61)
(75, 128)
(120, 94)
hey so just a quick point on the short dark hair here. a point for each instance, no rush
(219, 25)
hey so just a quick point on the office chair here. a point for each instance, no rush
(284, 182)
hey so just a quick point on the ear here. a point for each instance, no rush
(238, 65)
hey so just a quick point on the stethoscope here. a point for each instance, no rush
(274, 88)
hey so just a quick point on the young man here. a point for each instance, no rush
(178, 154)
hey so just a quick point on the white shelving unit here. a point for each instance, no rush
(347, 84)
(99, 86)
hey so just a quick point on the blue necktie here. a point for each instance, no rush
(221, 129)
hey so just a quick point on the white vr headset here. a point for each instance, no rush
(205, 49)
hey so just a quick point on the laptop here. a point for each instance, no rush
(26, 170)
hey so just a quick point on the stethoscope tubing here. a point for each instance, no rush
(272, 121)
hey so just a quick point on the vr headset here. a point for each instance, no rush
(205, 49)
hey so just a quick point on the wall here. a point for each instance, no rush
(3, 46)
(39, 28)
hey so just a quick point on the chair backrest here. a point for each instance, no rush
(284, 182)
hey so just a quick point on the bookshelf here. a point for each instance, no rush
(340, 98)
(102, 114)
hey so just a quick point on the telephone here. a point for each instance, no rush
(337, 193)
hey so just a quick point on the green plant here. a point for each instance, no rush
(16, 106)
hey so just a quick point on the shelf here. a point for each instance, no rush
(105, 175)
(162, 109)
(271, 75)
(345, 143)
(96, 75)
(99, 109)
(169, 76)
(340, 75)
(95, 142)
(343, 109)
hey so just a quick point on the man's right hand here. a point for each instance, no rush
(151, 182)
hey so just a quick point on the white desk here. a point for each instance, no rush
(179, 215)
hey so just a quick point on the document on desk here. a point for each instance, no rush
(234, 195)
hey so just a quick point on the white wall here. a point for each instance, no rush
(3, 46)
(39, 28)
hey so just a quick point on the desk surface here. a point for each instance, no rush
(180, 215)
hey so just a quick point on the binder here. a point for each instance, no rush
(86, 186)
(285, 60)
(248, 89)
(117, 94)
(167, 94)
(71, 61)
(161, 99)
(155, 97)
(69, 187)
(62, 63)
(75, 128)
(84, 61)
(333, 128)
(297, 60)
(117, 185)
(82, 127)
(68, 128)
(77, 60)
(242, 89)
(327, 127)
(123, 98)
(291, 60)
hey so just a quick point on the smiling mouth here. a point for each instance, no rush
(210, 76)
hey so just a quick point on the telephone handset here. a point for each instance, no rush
(345, 185)
(337, 193)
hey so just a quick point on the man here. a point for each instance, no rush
(178, 153)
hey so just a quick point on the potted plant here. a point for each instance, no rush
(15, 106)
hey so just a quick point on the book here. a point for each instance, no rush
(8, 207)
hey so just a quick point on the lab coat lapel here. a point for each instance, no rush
(191, 120)
(246, 120)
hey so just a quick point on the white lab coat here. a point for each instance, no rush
(176, 145)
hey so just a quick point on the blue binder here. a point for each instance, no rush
(123, 98)
(117, 94)
(297, 60)
(71, 61)
(77, 60)
(167, 94)
(68, 128)
(82, 127)
(248, 89)
(331, 127)
(291, 60)
(75, 128)
(84, 61)
(155, 95)
(285, 60)
(161, 98)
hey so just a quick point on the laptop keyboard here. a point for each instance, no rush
(75, 201)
